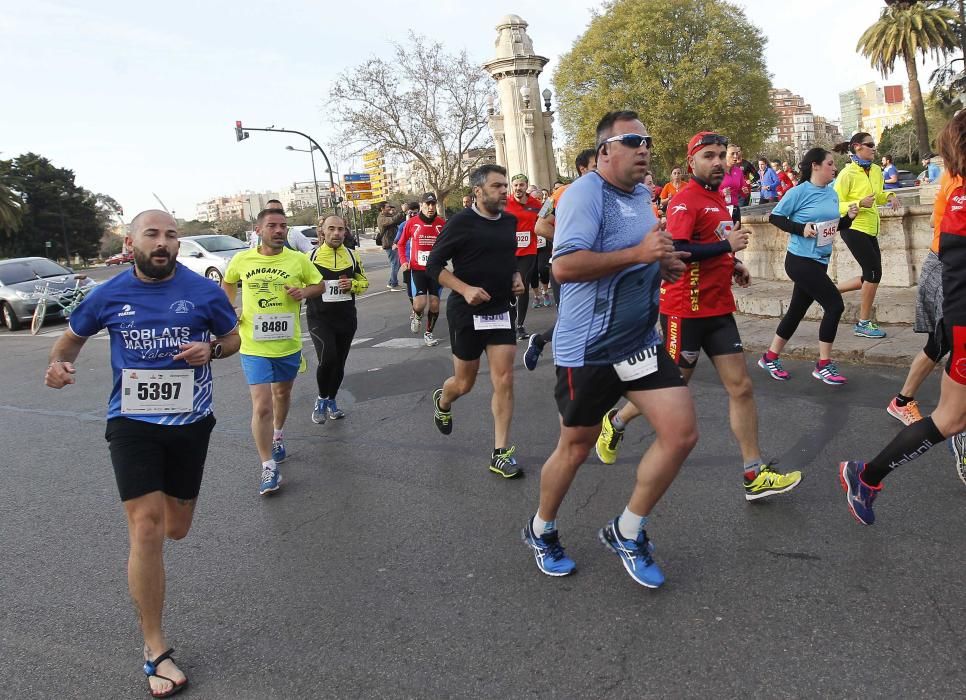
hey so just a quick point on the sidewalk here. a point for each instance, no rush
(897, 349)
(761, 305)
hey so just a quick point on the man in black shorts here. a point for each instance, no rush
(610, 257)
(166, 323)
(697, 313)
(481, 242)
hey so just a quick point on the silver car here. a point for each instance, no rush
(209, 255)
(22, 284)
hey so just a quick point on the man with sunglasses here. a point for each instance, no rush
(610, 257)
(697, 312)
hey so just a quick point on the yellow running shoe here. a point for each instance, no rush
(609, 440)
(769, 482)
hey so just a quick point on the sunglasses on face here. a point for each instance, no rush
(630, 140)
(869, 145)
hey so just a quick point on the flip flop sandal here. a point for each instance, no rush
(151, 669)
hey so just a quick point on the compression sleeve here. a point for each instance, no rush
(702, 251)
(787, 225)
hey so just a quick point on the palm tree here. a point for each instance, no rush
(10, 209)
(904, 29)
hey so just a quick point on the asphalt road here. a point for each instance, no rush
(389, 565)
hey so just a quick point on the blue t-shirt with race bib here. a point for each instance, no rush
(808, 204)
(148, 322)
(607, 320)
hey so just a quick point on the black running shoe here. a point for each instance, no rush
(443, 419)
(502, 463)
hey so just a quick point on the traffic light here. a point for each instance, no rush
(335, 196)
(240, 135)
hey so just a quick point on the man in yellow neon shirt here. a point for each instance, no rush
(274, 280)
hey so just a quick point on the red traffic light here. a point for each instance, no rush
(240, 135)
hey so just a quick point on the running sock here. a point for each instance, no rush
(431, 321)
(278, 434)
(629, 525)
(615, 420)
(863, 320)
(911, 442)
(542, 527)
(269, 464)
(902, 400)
(771, 356)
(822, 364)
(752, 468)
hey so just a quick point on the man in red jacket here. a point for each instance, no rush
(525, 208)
(421, 232)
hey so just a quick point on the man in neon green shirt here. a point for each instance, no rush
(274, 280)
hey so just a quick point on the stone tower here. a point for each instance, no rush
(522, 133)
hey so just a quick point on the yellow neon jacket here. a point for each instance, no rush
(852, 185)
(333, 260)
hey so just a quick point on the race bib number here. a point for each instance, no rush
(638, 365)
(422, 257)
(523, 239)
(825, 232)
(157, 391)
(333, 293)
(541, 242)
(492, 323)
(273, 327)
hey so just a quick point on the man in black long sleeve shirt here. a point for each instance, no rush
(481, 242)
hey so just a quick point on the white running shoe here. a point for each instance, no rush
(429, 339)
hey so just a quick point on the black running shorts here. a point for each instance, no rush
(467, 343)
(422, 283)
(149, 457)
(585, 393)
(685, 338)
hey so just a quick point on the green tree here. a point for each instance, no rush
(900, 141)
(196, 228)
(233, 227)
(684, 65)
(905, 29)
(11, 209)
(55, 209)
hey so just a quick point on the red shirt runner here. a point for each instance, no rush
(423, 238)
(526, 215)
(698, 216)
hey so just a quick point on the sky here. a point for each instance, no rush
(140, 99)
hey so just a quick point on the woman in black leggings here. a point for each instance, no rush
(810, 213)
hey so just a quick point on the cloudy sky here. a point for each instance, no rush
(141, 98)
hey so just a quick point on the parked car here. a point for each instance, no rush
(22, 283)
(907, 179)
(120, 259)
(209, 255)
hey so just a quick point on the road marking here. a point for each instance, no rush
(400, 343)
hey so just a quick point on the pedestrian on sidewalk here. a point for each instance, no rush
(386, 223)
(809, 212)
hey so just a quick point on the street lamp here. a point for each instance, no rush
(525, 94)
(311, 152)
(546, 97)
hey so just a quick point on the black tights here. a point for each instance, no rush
(525, 265)
(812, 283)
(332, 342)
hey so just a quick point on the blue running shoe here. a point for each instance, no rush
(867, 329)
(318, 413)
(335, 413)
(271, 480)
(278, 451)
(635, 555)
(547, 551)
(859, 495)
(532, 354)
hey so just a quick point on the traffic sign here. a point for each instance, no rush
(356, 177)
(358, 187)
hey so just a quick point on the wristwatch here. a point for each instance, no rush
(216, 351)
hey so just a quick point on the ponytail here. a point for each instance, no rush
(842, 147)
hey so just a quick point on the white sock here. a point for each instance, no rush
(542, 527)
(629, 525)
(269, 464)
(279, 434)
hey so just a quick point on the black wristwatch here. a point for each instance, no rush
(216, 351)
